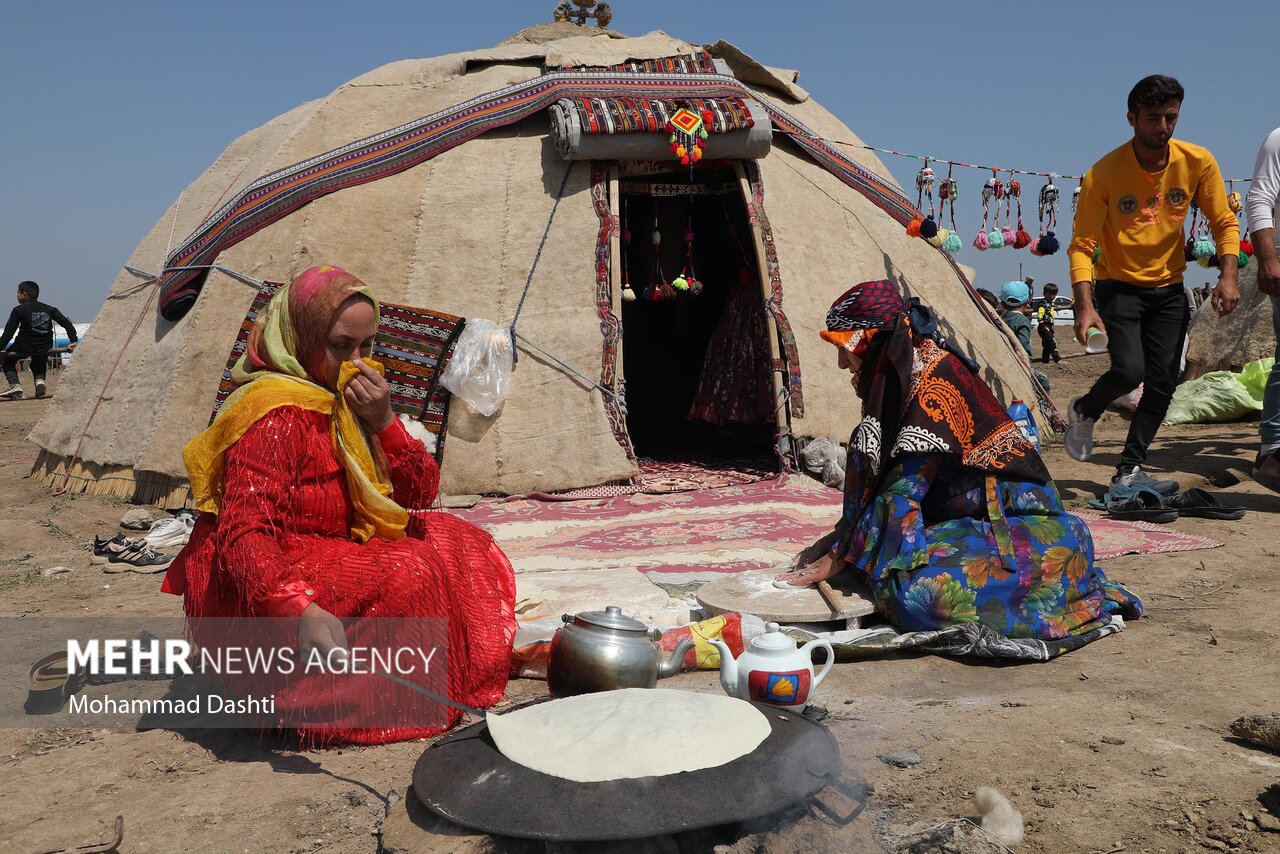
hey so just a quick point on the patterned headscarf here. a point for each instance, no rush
(915, 397)
(283, 365)
(290, 336)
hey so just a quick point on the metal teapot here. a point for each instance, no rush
(604, 650)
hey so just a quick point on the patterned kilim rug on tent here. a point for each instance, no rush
(692, 537)
(414, 346)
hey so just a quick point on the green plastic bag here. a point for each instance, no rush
(1216, 396)
(1254, 377)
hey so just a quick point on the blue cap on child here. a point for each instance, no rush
(1014, 293)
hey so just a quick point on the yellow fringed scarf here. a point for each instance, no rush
(368, 485)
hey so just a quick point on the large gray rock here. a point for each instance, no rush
(1229, 343)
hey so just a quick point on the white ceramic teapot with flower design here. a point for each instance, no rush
(773, 670)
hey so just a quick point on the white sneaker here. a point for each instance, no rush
(167, 533)
(14, 392)
(40, 388)
(1079, 436)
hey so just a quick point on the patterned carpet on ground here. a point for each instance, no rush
(690, 537)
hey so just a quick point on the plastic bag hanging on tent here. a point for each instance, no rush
(480, 371)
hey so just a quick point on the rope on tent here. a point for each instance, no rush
(75, 455)
(567, 367)
(564, 182)
(148, 279)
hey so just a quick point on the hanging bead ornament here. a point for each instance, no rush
(947, 194)
(1021, 238)
(628, 295)
(1047, 212)
(1075, 198)
(1007, 232)
(983, 241)
(1203, 249)
(688, 134)
(1237, 205)
(921, 225)
(687, 282)
(653, 293)
(995, 239)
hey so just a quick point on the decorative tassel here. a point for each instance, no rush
(928, 228)
(939, 238)
(1189, 250)
(952, 242)
(1022, 239)
(1203, 261)
(913, 227)
(1213, 260)
(1035, 247)
(1008, 235)
(1048, 244)
(995, 239)
(1246, 246)
(1244, 261)
(647, 294)
(695, 286)
(1203, 247)
(628, 295)
(981, 242)
(667, 291)
(680, 283)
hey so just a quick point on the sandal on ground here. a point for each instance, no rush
(1206, 505)
(1140, 505)
(49, 685)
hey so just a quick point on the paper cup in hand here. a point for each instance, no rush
(1095, 340)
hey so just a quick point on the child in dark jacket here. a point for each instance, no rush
(33, 322)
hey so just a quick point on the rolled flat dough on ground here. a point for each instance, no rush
(632, 732)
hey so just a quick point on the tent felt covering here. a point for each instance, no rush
(458, 232)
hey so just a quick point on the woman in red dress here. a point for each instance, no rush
(303, 481)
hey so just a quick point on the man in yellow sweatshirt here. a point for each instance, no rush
(1133, 206)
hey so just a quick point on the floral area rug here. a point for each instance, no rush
(1113, 537)
(563, 550)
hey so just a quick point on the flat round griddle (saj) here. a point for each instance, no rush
(467, 780)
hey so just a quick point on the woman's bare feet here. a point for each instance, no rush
(820, 570)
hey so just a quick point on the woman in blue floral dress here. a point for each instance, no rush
(949, 514)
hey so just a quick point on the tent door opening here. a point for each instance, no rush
(696, 355)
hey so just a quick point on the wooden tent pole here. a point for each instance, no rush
(766, 293)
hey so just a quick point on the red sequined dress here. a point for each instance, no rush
(282, 542)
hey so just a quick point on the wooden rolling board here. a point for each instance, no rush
(753, 593)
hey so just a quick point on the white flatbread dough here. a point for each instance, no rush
(632, 732)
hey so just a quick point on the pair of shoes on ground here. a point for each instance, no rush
(127, 554)
(170, 533)
(1143, 504)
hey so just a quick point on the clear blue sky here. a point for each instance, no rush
(110, 109)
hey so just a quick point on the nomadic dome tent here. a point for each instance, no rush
(449, 183)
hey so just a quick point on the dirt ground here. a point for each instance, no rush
(1120, 746)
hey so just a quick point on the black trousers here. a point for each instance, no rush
(1145, 331)
(39, 363)
(1048, 341)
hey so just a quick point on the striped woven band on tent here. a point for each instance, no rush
(280, 193)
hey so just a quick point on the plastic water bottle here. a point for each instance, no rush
(1021, 416)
